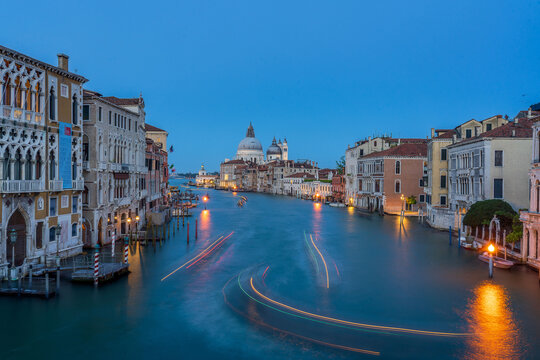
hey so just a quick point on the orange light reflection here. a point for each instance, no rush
(491, 320)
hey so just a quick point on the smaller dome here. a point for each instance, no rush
(273, 149)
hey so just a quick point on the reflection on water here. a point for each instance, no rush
(491, 320)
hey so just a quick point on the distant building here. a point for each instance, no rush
(204, 179)
(384, 176)
(157, 177)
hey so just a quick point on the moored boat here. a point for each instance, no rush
(497, 261)
(336, 204)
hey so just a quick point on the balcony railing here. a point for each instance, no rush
(56, 185)
(77, 184)
(13, 113)
(18, 186)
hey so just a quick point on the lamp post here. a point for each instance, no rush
(402, 205)
(13, 240)
(205, 199)
(137, 218)
(491, 250)
(129, 227)
(58, 231)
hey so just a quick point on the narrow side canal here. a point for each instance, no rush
(282, 278)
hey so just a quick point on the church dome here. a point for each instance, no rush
(250, 143)
(273, 149)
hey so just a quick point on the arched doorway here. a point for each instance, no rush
(86, 234)
(17, 222)
(100, 231)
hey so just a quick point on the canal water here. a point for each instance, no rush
(282, 278)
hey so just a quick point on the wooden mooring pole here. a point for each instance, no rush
(196, 226)
(188, 232)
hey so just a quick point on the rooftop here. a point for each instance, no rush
(403, 150)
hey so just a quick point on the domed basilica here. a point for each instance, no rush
(250, 149)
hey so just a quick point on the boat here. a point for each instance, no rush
(497, 261)
(336, 204)
(469, 245)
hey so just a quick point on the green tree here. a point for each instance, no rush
(482, 212)
(517, 230)
(411, 200)
(340, 165)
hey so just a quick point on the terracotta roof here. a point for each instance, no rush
(403, 150)
(521, 129)
(148, 127)
(118, 101)
(446, 135)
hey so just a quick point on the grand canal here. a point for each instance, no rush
(283, 278)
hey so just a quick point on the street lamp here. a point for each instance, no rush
(13, 240)
(129, 227)
(491, 250)
(58, 231)
(137, 218)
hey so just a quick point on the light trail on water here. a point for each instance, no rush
(200, 256)
(324, 262)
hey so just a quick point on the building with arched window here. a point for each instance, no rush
(114, 166)
(40, 150)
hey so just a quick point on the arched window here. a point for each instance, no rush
(6, 91)
(86, 148)
(6, 167)
(39, 163)
(28, 97)
(28, 167)
(75, 110)
(398, 167)
(85, 196)
(52, 105)
(52, 234)
(18, 93)
(52, 166)
(398, 186)
(74, 166)
(17, 168)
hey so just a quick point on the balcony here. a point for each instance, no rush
(56, 185)
(20, 186)
(102, 166)
(85, 165)
(26, 116)
(77, 184)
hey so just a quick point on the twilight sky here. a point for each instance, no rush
(321, 73)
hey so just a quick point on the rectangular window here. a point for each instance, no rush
(110, 117)
(115, 119)
(39, 235)
(64, 90)
(488, 127)
(129, 124)
(468, 133)
(75, 204)
(443, 154)
(498, 188)
(74, 230)
(498, 158)
(99, 113)
(443, 181)
(422, 198)
(443, 200)
(64, 201)
(421, 183)
(52, 206)
(86, 112)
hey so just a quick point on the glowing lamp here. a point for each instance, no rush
(128, 220)
(137, 218)
(491, 248)
(402, 197)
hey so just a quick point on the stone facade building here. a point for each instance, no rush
(157, 178)
(114, 166)
(384, 176)
(41, 173)
(530, 247)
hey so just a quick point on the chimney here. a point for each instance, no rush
(63, 61)
(432, 133)
(529, 114)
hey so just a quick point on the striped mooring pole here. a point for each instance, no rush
(196, 229)
(96, 265)
(126, 250)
